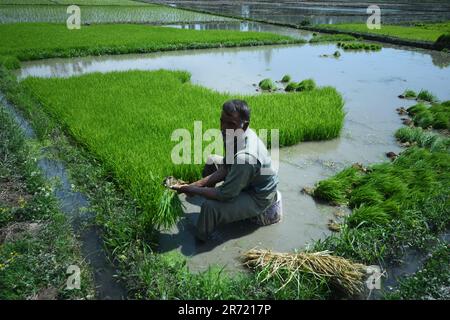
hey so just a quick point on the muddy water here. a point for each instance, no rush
(370, 84)
(74, 205)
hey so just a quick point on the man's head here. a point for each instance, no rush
(235, 115)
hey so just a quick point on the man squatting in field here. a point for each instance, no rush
(249, 190)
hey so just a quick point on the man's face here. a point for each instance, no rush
(229, 123)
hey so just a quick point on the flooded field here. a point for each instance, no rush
(370, 84)
(322, 12)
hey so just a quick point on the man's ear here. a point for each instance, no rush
(245, 126)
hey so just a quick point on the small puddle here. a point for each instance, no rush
(370, 83)
(74, 205)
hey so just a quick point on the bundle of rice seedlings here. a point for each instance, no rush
(365, 194)
(368, 216)
(340, 272)
(306, 85)
(291, 86)
(425, 95)
(330, 190)
(416, 109)
(286, 78)
(408, 94)
(267, 84)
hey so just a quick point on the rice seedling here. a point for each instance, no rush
(336, 54)
(437, 116)
(425, 139)
(291, 86)
(123, 118)
(365, 216)
(416, 108)
(332, 38)
(286, 78)
(408, 94)
(359, 46)
(40, 40)
(306, 85)
(425, 95)
(365, 194)
(330, 190)
(267, 84)
(341, 273)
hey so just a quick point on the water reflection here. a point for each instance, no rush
(323, 12)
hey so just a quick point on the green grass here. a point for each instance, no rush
(40, 40)
(133, 136)
(332, 38)
(436, 116)
(31, 263)
(353, 45)
(427, 32)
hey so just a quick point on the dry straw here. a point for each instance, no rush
(341, 272)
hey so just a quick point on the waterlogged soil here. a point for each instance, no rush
(370, 83)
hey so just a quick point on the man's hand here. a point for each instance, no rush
(182, 188)
(190, 190)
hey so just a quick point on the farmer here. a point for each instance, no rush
(249, 190)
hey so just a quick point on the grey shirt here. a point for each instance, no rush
(245, 173)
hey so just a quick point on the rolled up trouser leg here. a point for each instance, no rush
(215, 213)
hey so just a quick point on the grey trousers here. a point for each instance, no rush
(215, 213)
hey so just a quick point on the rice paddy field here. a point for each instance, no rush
(420, 31)
(86, 125)
(39, 41)
(93, 14)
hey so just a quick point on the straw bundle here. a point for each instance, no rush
(341, 272)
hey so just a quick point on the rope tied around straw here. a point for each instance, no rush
(341, 272)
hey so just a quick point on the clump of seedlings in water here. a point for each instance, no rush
(422, 138)
(286, 78)
(437, 116)
(267, 85)
(408, 94)
(291, 86)
(306, 85)
(359, 46)
(425, 95)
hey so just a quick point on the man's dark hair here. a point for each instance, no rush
(240, 106)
